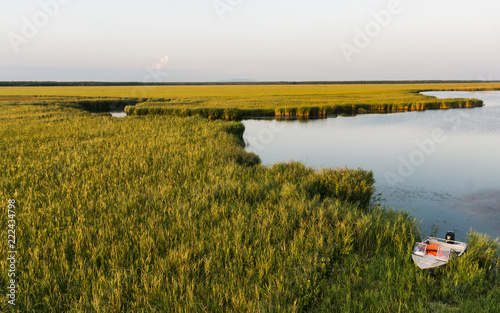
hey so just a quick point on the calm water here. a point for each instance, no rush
(118, 114)
(443, 166)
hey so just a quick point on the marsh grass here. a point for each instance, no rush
(234, 102)
(170, 214)
(302, 112)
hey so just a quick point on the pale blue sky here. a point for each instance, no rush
(257, 40)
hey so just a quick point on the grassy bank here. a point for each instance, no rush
(156, 108)
(157, 213)
(282, 101)
(95, 105)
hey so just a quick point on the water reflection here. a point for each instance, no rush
(442, 166)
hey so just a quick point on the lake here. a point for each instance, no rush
(443, 166)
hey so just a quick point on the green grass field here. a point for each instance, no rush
(170, 214)
(368, 93)
(257, 100)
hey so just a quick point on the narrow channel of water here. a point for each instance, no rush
(118, 114)
(442, 166)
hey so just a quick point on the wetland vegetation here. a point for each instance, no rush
(239, 101)
(166, 213)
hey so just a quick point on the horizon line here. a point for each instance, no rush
(41, 83)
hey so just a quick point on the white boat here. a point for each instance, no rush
(433, 252)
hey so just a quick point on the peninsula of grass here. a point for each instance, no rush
(233, 102)
(170, 214)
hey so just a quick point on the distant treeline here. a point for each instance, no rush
(96, 83)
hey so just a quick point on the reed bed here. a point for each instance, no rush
(281, 101)
(170, 214)
(157, 108)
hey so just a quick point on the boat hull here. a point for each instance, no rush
(435, 252)
(427, 262)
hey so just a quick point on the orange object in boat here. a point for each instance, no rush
(432, 249)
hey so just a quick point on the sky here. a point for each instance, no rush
(249, 40)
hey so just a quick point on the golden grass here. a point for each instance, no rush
(255, 96)
(170, 214)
